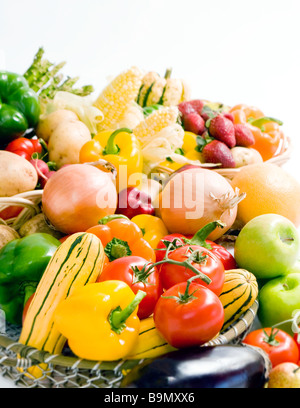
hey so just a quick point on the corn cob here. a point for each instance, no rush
(151, 90)
(155, 122)
(173, 92)
(117, 96)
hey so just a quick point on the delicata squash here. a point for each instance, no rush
(76, 262)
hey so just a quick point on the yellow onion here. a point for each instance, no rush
(77, 196)
(194, 197)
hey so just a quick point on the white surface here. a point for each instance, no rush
(230, 51)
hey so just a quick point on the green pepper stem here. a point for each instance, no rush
(118, 317)
(28, 291)
(200, 237)
(261, 121)
(108, 218)
(111, 147)
(117, 248)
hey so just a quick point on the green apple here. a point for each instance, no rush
(285, 375)
(278, 300)
(268, 246)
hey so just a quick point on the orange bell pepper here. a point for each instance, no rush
(122, 237)
(266, 131)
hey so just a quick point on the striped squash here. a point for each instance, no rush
(150, 343)
(239, 292)
(76, 262)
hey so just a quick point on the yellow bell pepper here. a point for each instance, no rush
(100, 320)
(189, 147)
(152, 227)
(188, 150)
(120, 148)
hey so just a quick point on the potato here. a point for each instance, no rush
(49, 123)
(38, 224)
(7, 234)
(17, 175)
(66, 141)
(245, 155)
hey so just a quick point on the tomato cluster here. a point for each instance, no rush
(182, 287)
(182, 279)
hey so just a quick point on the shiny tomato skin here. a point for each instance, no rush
(10, 212)
(121, 269)
(225, 256)
(192, 323)
(286, 350)
(161, 247)
(211, 267)
(38, 148)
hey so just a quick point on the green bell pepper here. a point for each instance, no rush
(22, 264)
(19, 106)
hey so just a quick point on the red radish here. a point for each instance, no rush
(218, 152)
(132, 202)
(40, 166)
(193, 122)
(42, 170)
(43, 181)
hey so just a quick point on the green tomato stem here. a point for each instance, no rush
(108, 218)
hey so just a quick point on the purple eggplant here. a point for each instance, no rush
(227, 366)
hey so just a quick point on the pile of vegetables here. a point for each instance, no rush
(127, 262)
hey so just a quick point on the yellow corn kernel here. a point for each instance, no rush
(155, 122)
(116, 97)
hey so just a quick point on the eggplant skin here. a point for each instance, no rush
(227, 366)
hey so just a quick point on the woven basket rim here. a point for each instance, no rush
(280, 158)
(30, 356)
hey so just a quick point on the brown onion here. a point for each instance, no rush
(77, 197)
(194, 197)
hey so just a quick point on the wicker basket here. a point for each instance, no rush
(67, 371)
(30, 201)
(280, 158)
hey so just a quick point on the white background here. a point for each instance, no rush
(232, 51)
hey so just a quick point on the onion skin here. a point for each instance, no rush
(197, 185)
(72, 198)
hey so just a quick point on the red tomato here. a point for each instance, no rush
(24, 147)
(225, 256)
(133, 271)
(204, 261)
(188, 315)
(38, 148)
(10, 212)
(176, 239)
(297, 340)
(278, 344)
